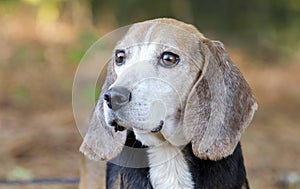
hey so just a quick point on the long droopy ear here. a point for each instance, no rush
(101, 142)
(219, 107)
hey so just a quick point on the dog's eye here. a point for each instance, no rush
(169, 59)
(120, 57)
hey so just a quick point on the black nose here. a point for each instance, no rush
(116, 97)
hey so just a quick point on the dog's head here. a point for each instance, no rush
(167, 82)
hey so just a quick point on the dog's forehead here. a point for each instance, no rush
(167, 32)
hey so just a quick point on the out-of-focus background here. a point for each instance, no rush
(42, 42)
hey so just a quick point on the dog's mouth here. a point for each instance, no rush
(119, 127)
(158, 128)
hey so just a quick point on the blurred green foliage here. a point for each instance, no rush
(76, 53)
(21, 95)
(267, 28)
(20, 173)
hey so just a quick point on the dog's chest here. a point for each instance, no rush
(168, 168)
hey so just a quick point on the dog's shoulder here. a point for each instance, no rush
(124, 177)
(226, 173)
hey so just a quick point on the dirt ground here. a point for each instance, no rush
(38, 135)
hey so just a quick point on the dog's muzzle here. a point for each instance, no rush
(118, 101)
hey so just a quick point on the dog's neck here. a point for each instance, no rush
(168, 168)
(174, 167)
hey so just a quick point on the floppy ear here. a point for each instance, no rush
(219, 107)
(101, 142)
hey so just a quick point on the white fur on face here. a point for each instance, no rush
(158, 93)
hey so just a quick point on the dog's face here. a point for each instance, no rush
(169, 83)
(156, 69)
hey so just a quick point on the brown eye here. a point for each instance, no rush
(120, 57)
(169, 59)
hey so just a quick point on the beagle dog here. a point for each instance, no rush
(171, 111)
